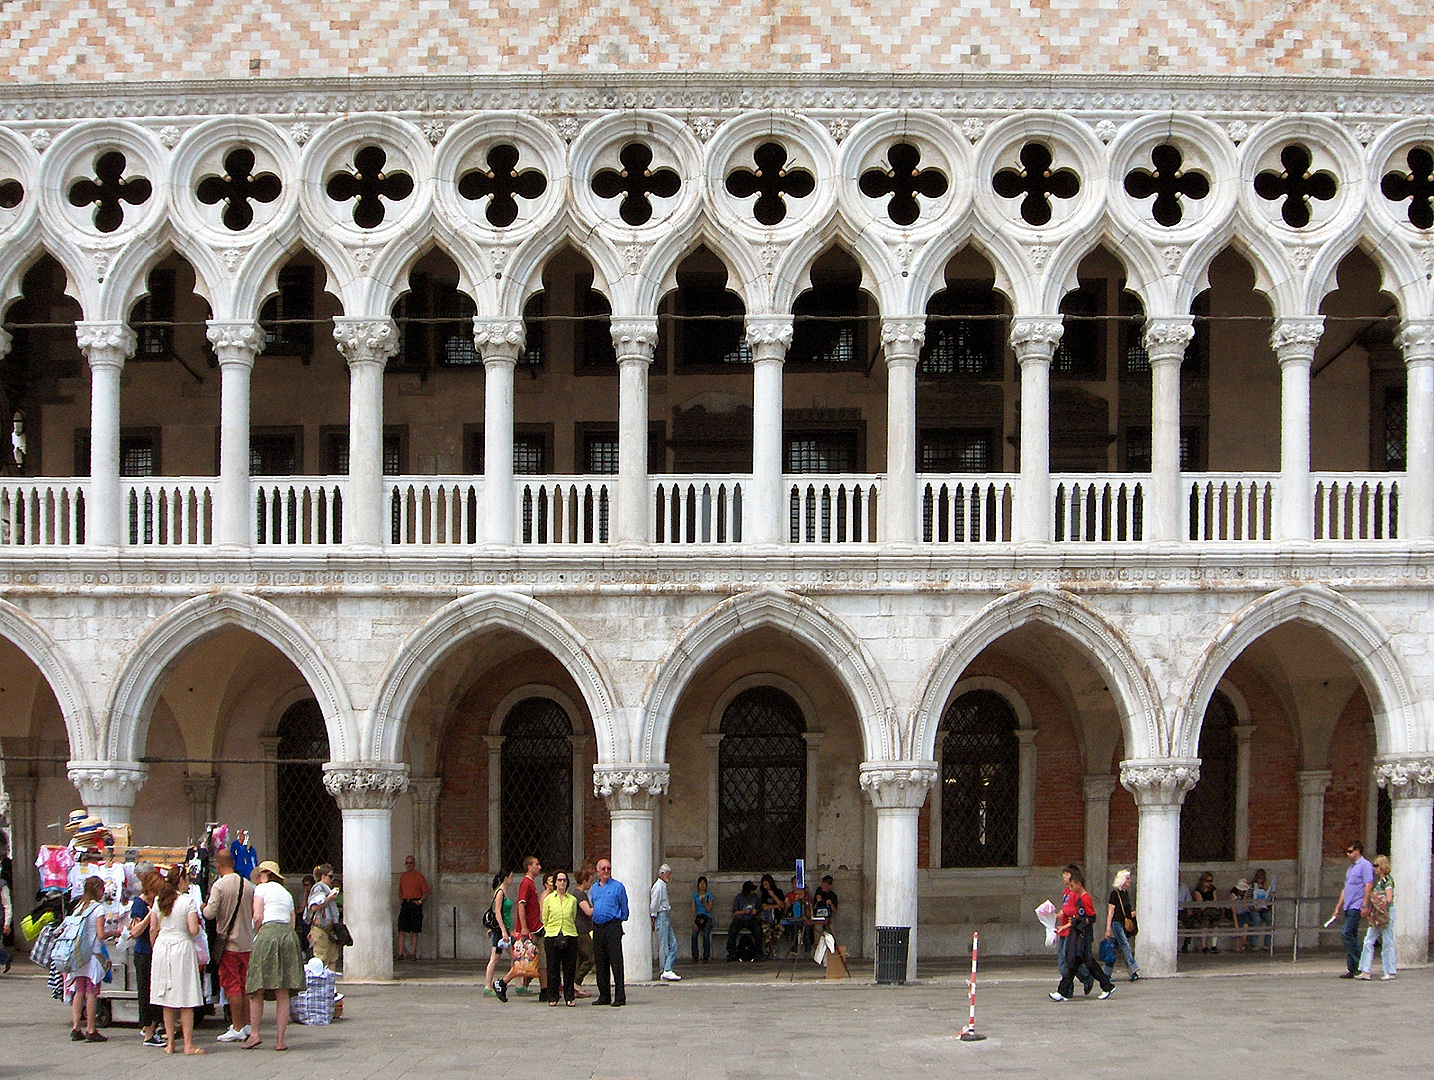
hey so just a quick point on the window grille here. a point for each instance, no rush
(762, 783)
(272, 455)
(309, 824)
(530, 455)
(1395, 422)
(600, 454)
(537, 785)
(824, 452)
(956, 450)
(1207, 819)
(287, 317)
(963, 346)
(153, 318)
(980, 782)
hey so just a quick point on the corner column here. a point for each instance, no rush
(1410, 783)
(236, 344)
(106, 345)
(1416, 503)
(1034, 339)
(499, 342)
(897, 791)
(1159, 788)
(366, 344)
(1098, 790)
(901, 341)
(635, 341)
(632, 793)
(424, 793)
(1294, 341)
(1165, 343)
(366, 794)
(769, 337)
(108, 788)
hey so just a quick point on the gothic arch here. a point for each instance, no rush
(143, 672)
(30, 638)
(1354, 632)
(1101, 642)
(815, 627)
(473, 614)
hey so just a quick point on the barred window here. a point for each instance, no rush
(1207, 820)
(761, 782)
(821, 452)
(955, 450)
(310, 826)
(980, 781)
(962, 338)
(537, 784)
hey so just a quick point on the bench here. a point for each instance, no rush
(1227, 924)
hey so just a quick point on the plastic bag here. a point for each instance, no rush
(1107, 951)
(525, 959)
(1047, 913)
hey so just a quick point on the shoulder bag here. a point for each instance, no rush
(216, 954)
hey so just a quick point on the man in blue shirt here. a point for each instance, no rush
(1353, 900)
(607, 904)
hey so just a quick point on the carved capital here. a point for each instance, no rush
(235, 342)
(425, 790)
(897, 784)
(1035, 338)
(1295, 339)
(769, 336)
(630, 787)
(1166, 339)
(1165, 782)
(901, 339)
(366, 787)
(365, 341)
(1416, 339)
(634, 339)
(1406, 778)
(108, 786)
(499, 339)
(1098, 788)
(106, 344)
(201, 789)
(1313, 782)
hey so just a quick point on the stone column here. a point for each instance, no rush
(495, 805)
(1294, 341)
(581, 745)
(632, 793)
(108, 788)
(366, 343)
(1165, 343)
(424, 793)
(24, 842)
(500, 342)
(897, 790)
(1243, 734)
(1313, 783)
(1416, 494)
(1034, 339)
(1410, 783)
(1026, 807)
(269, 746)
(366, 794)
(713, 742)
(236, 344)
(635, 341)
(769, 337)
(1159, 787)
(901, 341)
(106, 345)
(1098, 790)
(201, 792)
(814, 742)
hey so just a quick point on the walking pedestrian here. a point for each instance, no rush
(141, 916)
(659, 904)
(560, 932)
(87, 968)
(322, 906)
(231, 910)
(412, 892)
(500, 935)
(702, 908)
(1358, 884)
(607, 905)
(530, 918)
(174, 971)
(1075, 923)
(275, 964)
(585, 927)
(1120, 924)
(1380, 916)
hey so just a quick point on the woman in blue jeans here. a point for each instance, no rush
(702, 909)
(1118, 910)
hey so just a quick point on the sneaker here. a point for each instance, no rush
(231, 1036)
(1363, 976)
(671, 976)
(156, 1040)
(1135, 976)
(95, 1036)
(76, 1035)
(1347, 975)
(1386, 978)
(522, 990)
(1089, 987)
(1107, 992)
(501, 989)
(1058, 997)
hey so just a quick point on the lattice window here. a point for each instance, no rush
(1207, 820)
(980, 782)
(537, 784)
(974, 345)
(310, 826)
(761, 782)
(821, 452)
(1395, 428)
(955, 450)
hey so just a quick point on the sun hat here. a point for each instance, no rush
(272, 868)
(1242, 885)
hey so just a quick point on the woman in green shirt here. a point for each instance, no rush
(502, 906)
(560, 933)
(1380, 916)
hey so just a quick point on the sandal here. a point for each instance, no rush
(570, 1003)
(252, 1045)
(195, 1050)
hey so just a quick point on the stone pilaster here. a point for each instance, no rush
(424, 792)
(201, 791)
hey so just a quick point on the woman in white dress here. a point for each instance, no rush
(174, 970)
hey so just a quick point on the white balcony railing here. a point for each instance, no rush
(293, 511)
(697, 509)
(1230, 506)
(1356, 506)
(169, 511)
(428, 510)
(1091, 509)
(968, 509)
(564, 509)
(832, 508)
(43, 512)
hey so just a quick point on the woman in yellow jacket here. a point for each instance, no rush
(560, 934)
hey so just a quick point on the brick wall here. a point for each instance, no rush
(1274, 788)
(1349, 758)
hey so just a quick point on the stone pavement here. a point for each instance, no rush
(1271, 1019)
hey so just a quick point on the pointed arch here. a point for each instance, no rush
(523, 277)
(1400, 273)
(1144, 275)
(27, 635)
(745, 277)
(1398, 716)
(143, 673)
(1101, 642)
(463, 619)
(804, 620)
(879, 278)
(928, 272)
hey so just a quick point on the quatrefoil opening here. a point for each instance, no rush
(500, 183)
(237, 187)
(1417, 185)
(903, 182)
(11, 192)
(1036, 180)
(1296, 185)
(370, 185)
(109, 191)
(1168, 183)
(772, 182)
(637, 183)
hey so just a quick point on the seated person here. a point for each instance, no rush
(773, 903)
(798, 916)
(1210, 916)
(1239, 897)
(1189, 917)
(824, 902)
(745, 919)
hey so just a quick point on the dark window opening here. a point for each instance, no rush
(537, 784)
(435, 326)
(1081, 351)
(704, 321)
(980, 782)
(832, 320)
(761, 782)
(961, 336)
(287, 317)
(152, 318)
(336, 452)
(821, 452)
(1207, 819)
(138, 452)
(956, 450)
(307, 819)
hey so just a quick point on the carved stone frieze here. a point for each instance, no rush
(366, 787)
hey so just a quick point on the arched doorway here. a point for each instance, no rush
(537, 784)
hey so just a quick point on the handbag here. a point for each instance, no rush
(1107, 951)
(342, 935)
(1130, 927)
(701, 922)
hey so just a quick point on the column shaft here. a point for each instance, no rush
(366, 794)
(1295, 341)
(1243, 735)
(1098, 790)
(769, 340)
(500, 342)
(236, 345)
(632, 865)
(1034, 340)
(1416, 502)
(635, 341)
(1165, 343)
(897, 790)
(901, 516)
(106, 345)
(366, 343)
(1410, 783)
(1159, 787)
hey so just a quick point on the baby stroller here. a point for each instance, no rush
(744, 938)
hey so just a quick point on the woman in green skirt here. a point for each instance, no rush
(275, 963)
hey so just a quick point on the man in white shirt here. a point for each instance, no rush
(660, 907)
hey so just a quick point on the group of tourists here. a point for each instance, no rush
(1368, 895)
(1248, 905)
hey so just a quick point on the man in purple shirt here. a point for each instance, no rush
(1358, 883)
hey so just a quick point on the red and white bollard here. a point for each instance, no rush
(969, 1034)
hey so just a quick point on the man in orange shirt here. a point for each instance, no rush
(412, 891)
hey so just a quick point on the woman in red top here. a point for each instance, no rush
(1075, 923)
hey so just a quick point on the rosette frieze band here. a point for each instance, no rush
(630, 787)
(634, 339)
(499, 339)
(898, 783)
(1160, 783)
(366, 341)
(365, 787)
(1406, 778)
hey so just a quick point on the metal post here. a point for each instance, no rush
(969, 1035)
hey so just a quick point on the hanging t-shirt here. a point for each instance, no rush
(54, 864)
(245, 859)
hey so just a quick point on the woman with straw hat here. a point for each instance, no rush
(275, 963)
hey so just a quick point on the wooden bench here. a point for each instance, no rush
(1228, 925)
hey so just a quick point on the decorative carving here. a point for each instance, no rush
(499, 339)
(169, 136)
(1301, 255)
(568, 127)
(634, 337)
(772, 182)
(109, 191)
(769, 253)
(499, 183)
(705, 127)
(300, 132)
(1171, 257)
(1040, 254)
(839, 126)
(637, 182)
(1296, 185)
(1037, 182)
(1296, 338)
(1416, 339)
(433, 131)
(769, 336)
(897, 784)
(902, 338)
(1098, 787)
(973, 128)
(362, 257)
(1238, 131)
(630, 787)
(632, 256)
(105, 342)
(1166, 339)
(1406, 778)
(1364, 132)
(108, 784)
(40, 139)
(1036, 337)
(365, 341)
(1313, 782)
(231, 257)
(236, 342)
(368, 186)
(1160, 783)
(237, 187)
(1168, 183)
(1105, 130)
(903, 181)
(366, 787)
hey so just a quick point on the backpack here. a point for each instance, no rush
(75, 943)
